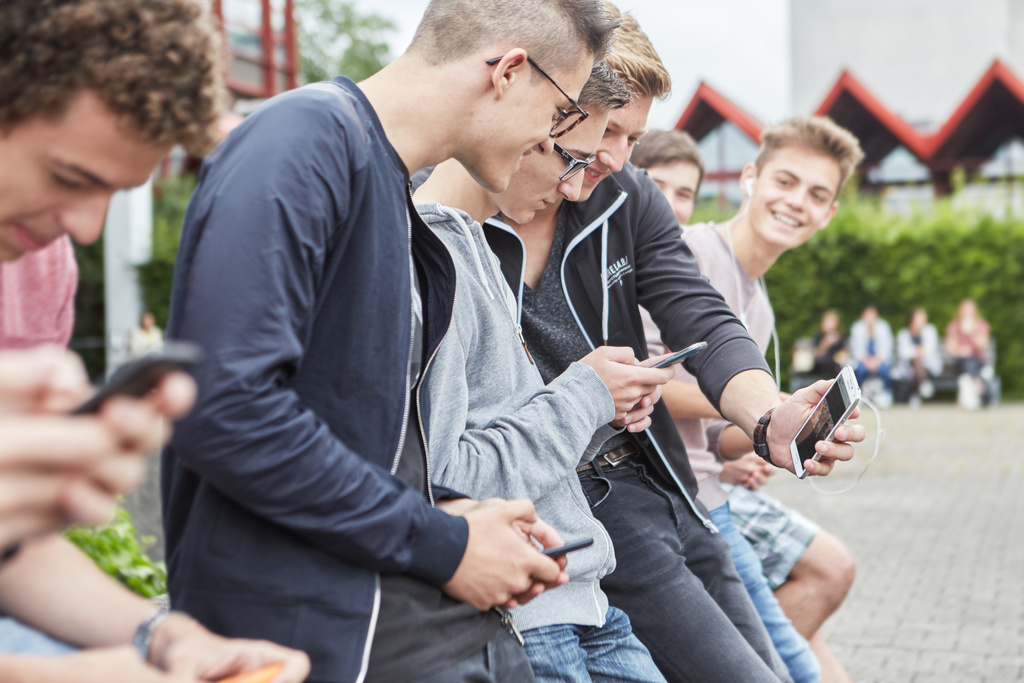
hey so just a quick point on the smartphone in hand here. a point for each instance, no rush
(555, 553)
(140, 376)
(834, 408)
(677, 357)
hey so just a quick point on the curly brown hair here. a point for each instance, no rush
(156, 63)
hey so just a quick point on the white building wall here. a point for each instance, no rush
(920, 57)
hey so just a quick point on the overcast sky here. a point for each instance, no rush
(740, 47)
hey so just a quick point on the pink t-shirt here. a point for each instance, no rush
(37, 297)
(721, 268)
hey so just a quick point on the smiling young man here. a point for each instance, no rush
(502, 432)
(299, 501)
(791, 191)
(580, 269)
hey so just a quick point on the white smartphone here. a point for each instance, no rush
(834, 408)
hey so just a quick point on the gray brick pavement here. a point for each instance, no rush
(936, 527)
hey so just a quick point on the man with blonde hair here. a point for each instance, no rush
(581, 269)
(791, 193)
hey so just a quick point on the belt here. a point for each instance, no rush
(613, 457)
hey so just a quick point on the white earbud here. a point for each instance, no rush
(749, 184)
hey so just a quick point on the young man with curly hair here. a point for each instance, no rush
(95, 92)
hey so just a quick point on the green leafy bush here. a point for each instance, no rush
(119, 551)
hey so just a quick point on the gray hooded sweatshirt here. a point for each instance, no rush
(498, 431)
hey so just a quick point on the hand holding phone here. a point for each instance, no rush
(140, 376)
(834, 408)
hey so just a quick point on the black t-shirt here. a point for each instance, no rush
(419, 628)
(549, 326)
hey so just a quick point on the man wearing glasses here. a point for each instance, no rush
(500, 432)
(580, 269)
(298, 497)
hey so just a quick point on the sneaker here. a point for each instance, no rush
(915, 402)
(967, 393)
(927, 389)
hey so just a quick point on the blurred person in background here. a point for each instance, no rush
(830, 347)
(967, 340)
(918, 357)
(146, 337)
(871, 348)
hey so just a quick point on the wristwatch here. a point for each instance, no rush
(761, 436)
(144, 632)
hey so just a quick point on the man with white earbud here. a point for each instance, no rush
(790, 193)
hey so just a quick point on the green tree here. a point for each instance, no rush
(336, 39)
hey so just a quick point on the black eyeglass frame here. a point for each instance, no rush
(564, 113)
(575, 165)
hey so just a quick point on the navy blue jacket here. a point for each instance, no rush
(293, 274)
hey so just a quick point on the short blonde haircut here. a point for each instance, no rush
(815, 133)
(634, 58)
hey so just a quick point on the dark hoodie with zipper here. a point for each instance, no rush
(623, 248)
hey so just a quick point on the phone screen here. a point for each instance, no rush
(820, 425)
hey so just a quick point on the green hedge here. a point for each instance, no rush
(118, 550)
(868, 256)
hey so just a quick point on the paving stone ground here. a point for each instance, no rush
(937, 529)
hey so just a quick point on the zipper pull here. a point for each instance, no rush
(522, 340)
(509, 624)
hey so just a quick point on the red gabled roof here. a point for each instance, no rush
(879, 129)
(708, 109)
(990, 114)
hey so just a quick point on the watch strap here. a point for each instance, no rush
(761, 436)
(144, 632)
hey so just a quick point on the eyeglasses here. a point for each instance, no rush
(575, 165)
(566, 119)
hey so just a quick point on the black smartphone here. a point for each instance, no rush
(555, 553)
(678, 356)
(140, 376)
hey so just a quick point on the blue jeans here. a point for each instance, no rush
(16, 638)
(676, 581)
(792, 647)
(565, 653)
(884, 372)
